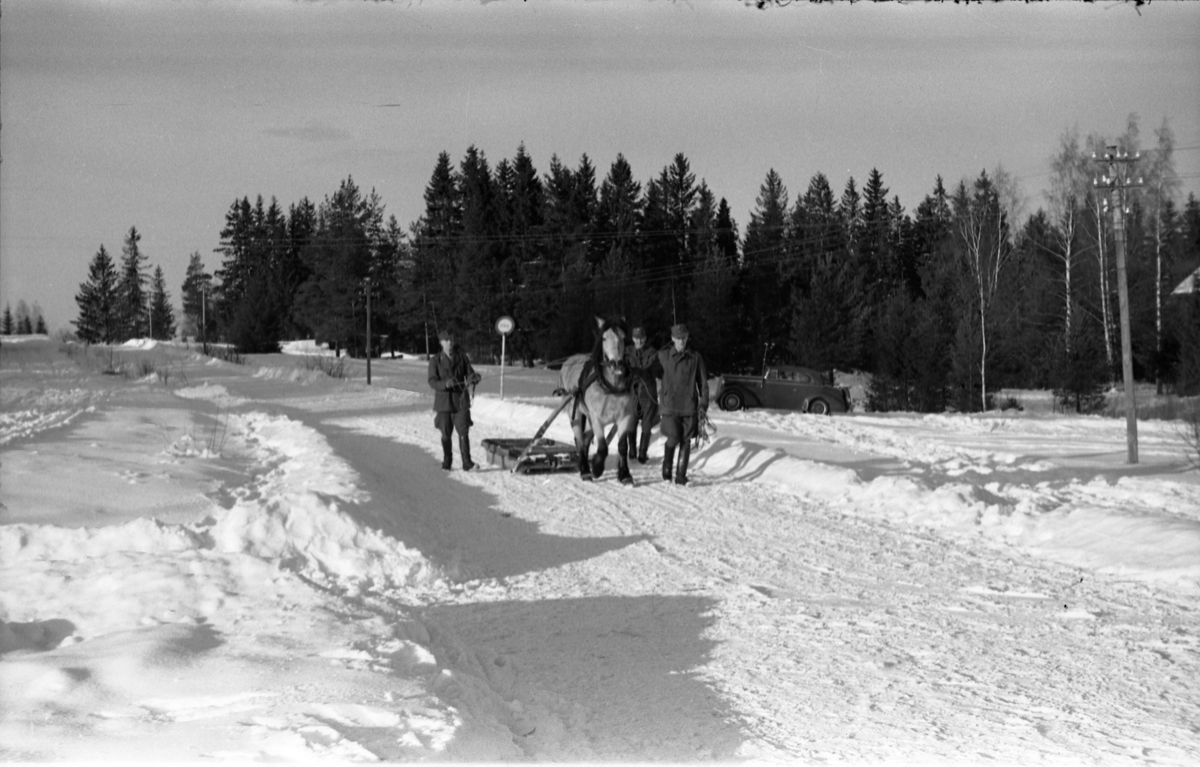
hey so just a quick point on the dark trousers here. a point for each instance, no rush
(448, 423)
(679, 431)
(647, 417)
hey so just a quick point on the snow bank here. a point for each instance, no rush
(294, 513)
(292, 516)
(1142, 529)
(308, 346)
(141, 629)
(140, 343)
(210, 392)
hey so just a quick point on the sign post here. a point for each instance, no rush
(504, 326)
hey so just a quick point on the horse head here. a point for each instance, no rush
(608, 355)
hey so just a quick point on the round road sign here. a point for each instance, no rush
(505, 325)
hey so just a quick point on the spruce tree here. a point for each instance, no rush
(479, 256)
(196, 294)
(131, 289)
(875, 259)
(435, 241)
(162, 314)
(526, 279)
(332, 301)
(559, 215)
(715, 321)
(99, 318)
(584, 204)
(764, 249)
(232, 278)
(850, 210)
(620, 211)
(8, 325)
(680, 197)
(727, 234)
(1081, 371)
(25, 315)
(292, 270)
(22, 317)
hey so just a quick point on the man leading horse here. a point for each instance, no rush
(683, 401)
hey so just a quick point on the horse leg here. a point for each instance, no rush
(583, 444)
(601, 450)
(623, 451)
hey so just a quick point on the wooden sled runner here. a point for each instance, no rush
(537, 455)
(527, 456)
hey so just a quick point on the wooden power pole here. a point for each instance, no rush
(1116, 180)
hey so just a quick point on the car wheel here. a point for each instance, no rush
(731, 400)
(818, 407)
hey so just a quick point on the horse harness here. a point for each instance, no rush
(593, 373)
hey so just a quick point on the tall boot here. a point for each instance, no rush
(668, 461)
(685, 452)
(643, 446)
(446, 453)
(464, 446)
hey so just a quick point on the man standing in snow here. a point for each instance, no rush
(682, 398)
(641, 359)
(450, 373)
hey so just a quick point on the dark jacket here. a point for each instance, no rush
(684, 382)
(449, 378)
(641, 365)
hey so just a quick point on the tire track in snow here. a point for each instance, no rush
(845, 638)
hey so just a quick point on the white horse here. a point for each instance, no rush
(604, 395)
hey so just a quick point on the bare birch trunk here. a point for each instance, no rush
(1158, 321)
(983, 351)
(1104, 311)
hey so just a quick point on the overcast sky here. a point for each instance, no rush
(159, 115)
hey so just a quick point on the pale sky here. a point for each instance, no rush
(159, 115)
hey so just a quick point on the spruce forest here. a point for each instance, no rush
(943, 305)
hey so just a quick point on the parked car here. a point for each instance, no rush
(784, 387)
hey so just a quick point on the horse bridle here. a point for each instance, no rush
(619, 371)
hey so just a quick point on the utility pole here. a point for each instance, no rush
(204, 317)
(1115, 181)
(368, 331)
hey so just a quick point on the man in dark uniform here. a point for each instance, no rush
(683, 396)
(450, 373)
(641, 360)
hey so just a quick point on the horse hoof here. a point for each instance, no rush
(627, 481)
(586, 477)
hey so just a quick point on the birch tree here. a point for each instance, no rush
(1070, 180)
(986, 249)
(1162, 184)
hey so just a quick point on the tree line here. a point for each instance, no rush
(119, 302)
(944, 305)
(25, 321)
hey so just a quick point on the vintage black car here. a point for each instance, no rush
(784, 387)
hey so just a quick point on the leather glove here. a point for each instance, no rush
(475, 379)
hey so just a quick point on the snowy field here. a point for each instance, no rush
(209, 562)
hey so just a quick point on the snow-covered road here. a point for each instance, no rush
(861, 589)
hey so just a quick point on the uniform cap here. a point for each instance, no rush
(679, 331)
(639, 332)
